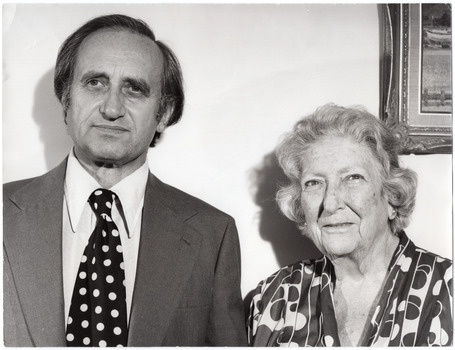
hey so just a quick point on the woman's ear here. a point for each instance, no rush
(392, 212)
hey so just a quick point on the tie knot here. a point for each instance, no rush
(101, 202)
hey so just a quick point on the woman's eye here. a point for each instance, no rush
(355, 177)
(311, 185)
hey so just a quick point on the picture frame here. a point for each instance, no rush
(416, 76)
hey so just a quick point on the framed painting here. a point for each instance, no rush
(416, 75)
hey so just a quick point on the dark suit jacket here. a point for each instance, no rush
(188, 273)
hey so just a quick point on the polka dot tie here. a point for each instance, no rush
(97, 314)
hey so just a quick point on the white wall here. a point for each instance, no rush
(250, 71)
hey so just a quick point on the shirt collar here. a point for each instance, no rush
(79, 184)
(131, 192)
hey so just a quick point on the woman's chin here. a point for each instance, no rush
(339, 245)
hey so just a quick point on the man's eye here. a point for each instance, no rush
(94, 83)
(135, 90)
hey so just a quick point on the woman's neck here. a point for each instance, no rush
(360, 280)
(371, 262)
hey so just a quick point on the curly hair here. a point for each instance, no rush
(172, 95)
(398, 184)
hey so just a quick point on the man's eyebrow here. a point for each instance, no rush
(140, 83)
(94, 74)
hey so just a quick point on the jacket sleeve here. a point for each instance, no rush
(226, 321)
(15, 332)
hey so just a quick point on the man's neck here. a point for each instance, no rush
(108, 174)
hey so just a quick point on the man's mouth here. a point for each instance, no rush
(110, 128)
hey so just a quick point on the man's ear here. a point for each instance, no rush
(164, 120)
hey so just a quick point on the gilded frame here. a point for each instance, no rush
(419, 131)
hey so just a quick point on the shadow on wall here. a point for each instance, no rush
(48, 114)
(289, 245)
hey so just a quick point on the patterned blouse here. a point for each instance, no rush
(294, 306)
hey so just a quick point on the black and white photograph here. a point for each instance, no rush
(227, 174)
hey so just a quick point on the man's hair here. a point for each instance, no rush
(172, 96)
(398, 184)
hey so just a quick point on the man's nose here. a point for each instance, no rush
(333, 198)
(113, 106)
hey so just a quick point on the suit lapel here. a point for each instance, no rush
(167, 253)
(35, 250)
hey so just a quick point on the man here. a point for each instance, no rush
(174, 260)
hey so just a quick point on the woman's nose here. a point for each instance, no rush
(333, 199)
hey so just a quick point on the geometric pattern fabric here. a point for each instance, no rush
(97, 316)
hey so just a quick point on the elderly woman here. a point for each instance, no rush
(373, 286)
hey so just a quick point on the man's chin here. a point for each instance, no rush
(118, 160)
(102, 158)
(110, 156)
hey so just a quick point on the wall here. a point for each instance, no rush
(250, 72)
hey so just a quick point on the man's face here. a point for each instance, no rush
(115, 96)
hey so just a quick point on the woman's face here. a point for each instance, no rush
(345, 209)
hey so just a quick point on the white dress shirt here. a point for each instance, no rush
(79, 222)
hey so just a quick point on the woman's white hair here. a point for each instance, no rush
(398, 184)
